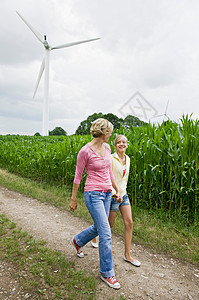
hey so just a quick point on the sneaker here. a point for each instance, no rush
(111, 281)
(77, 249)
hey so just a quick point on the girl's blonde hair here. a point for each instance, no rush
(119, 138)
(100, 127)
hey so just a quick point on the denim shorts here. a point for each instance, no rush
(115, 205)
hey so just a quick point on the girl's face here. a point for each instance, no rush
(121, 145)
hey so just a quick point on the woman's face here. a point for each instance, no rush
(107, 136)
(121, 145)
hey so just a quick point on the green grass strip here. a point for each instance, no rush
(42, 271)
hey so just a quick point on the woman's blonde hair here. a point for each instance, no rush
(119, 138)
(100, 127)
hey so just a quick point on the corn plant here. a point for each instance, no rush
(164, 166)
(164, 163)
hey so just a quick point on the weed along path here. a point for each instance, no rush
(159, 277)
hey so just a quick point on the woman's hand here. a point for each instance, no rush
(118, 197)
(73, 204)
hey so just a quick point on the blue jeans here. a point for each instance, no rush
(98, 204)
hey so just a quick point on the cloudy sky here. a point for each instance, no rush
(148, 53)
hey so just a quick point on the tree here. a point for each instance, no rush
(84, 127)
(37, 134)
(114, 120)
(58, 131)
(132, 121)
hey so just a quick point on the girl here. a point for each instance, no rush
(120, 163)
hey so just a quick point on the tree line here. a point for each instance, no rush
(84, 127)
(127, 122)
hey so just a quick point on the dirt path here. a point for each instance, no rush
(159, 277)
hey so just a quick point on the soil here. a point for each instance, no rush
(159, 277)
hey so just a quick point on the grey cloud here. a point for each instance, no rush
(150, 46)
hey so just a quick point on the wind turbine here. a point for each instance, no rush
(45, 66)
(165, 113)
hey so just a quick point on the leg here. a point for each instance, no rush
(94, 240)
(105, 247)
(128, 223)
(112, 214)
(113, 209)
(98, 205)
(111, 218)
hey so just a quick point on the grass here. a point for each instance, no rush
(162, 232)
(57, 196)
(168, 234)
(42, 271)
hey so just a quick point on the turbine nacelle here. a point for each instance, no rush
(45, 43)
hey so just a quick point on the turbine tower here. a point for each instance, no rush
(45, 66)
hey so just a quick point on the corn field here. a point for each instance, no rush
(49, 159)
(164, 163)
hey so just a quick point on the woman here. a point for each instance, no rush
(96, 158)
(120, 163)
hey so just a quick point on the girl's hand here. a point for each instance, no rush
(118, 197)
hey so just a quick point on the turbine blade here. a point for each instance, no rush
(39, 76)
(167, 106)
(36, 33)
(157, 116)
(73, 44)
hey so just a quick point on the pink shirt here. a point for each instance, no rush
(98, 169)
